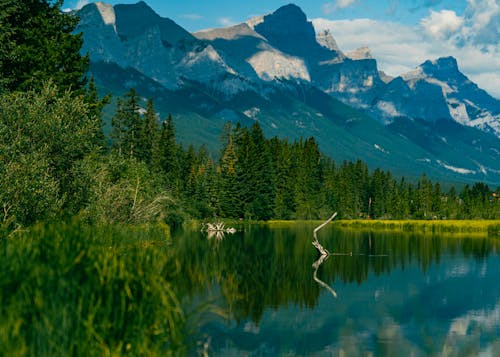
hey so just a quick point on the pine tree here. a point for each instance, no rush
(230, 202)
(149, 133)
(127, 126)
(37, 44)
(281, 158)
(96, 105)
(261, 185)
(308, 179)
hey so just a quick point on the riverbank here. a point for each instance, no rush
(483, 227)
(490, 227)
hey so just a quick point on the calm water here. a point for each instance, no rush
(396, 294)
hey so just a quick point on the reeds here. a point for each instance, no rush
(484, 227)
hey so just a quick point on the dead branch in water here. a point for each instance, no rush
(316, 266)
(315, 242)
(324, 254)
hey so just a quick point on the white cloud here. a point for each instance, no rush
(442, 24)
(342, 4)
(225, 21)
(400, 48)
(81, 3)
(482, 22)
(330, 7)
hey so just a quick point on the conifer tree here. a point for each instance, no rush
(37, 44)
(281, 158)
(127, 126)
(230, 202)
(149, 133)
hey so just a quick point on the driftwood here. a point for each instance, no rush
(315, 242)
(324, 254)
(217, 230)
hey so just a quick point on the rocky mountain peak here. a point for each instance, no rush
(133, 20)
(325, 39)
(441, 64)
(288, 30)
(361, 53)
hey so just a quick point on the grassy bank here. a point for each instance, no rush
(489, 227)
(74, 290)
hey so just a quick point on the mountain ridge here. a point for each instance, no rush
(249, 70)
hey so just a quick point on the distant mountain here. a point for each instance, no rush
(438, 90)
(277, 70)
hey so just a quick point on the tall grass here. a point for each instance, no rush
(484, 227)
(76, 290)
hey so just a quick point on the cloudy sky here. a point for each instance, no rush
(401, 33)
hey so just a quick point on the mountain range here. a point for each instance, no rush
(296, 82)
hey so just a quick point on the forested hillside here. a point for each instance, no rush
(55, 161)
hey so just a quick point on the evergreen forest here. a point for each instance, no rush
(56, 162)
(82, 270)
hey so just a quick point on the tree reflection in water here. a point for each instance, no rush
(265, 266)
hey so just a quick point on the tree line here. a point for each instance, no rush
(56, 162)
(258, 178)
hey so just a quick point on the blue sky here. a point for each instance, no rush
(401, 33)
(198, 14)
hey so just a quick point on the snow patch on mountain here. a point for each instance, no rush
(456, 169)
(388, 108)
(252, 113)
(458, 111)
(380, 148)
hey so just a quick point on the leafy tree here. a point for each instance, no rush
(43, 136)
(37, 43)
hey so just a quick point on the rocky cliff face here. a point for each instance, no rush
(277, 70)
(438, 90)
(276, 47)
(135, 36)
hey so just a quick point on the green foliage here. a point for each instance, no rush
(127, 126)
(52, 164)
(37, 44)
(72, 289)
(123, 190)
(42, 137)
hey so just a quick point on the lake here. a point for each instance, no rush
(258, 292)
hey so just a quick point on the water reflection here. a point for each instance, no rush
(316, 266)
(397, 293)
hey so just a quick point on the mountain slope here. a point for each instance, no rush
(276, 70)
(438, 90)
